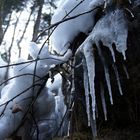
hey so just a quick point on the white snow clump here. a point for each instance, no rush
(18, 95)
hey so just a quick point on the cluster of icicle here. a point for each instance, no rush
(110, 29)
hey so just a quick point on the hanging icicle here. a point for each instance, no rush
(118, 79)
(103, 100)
(86, 87)
(107, 75)
(126, 71)
(88, 53)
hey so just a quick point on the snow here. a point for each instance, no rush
(65, 33)
(45, 57)
(45, 104)
(56, 89)
(95, 3)
(2, 72)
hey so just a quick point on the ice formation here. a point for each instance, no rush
(86, 87)
(107, 31)
(118, 79)
(110, 29)
(89, 57)
(18, 95)
(103, 101)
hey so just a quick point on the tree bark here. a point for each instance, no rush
(38, 20)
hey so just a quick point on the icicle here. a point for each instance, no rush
(112, 53)
(105, 4)
(93, 127)
(118, 79)
(126, 71)
(86, 87)
(107, 77)
(88, 53)
(68, 133)
(96, 111)
(103, 101)
(130, 1)
(132, 15)
(112, 29)
(124, 56)
(73, 82)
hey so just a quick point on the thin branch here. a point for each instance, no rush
(30, 61)
(31, 106)
(7, 102)
(37, 128)
(66, 19)
(26, 74)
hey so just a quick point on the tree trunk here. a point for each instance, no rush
(38, 20)
(1, 21)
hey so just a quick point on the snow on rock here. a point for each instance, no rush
(23, 86)
(64, 34)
